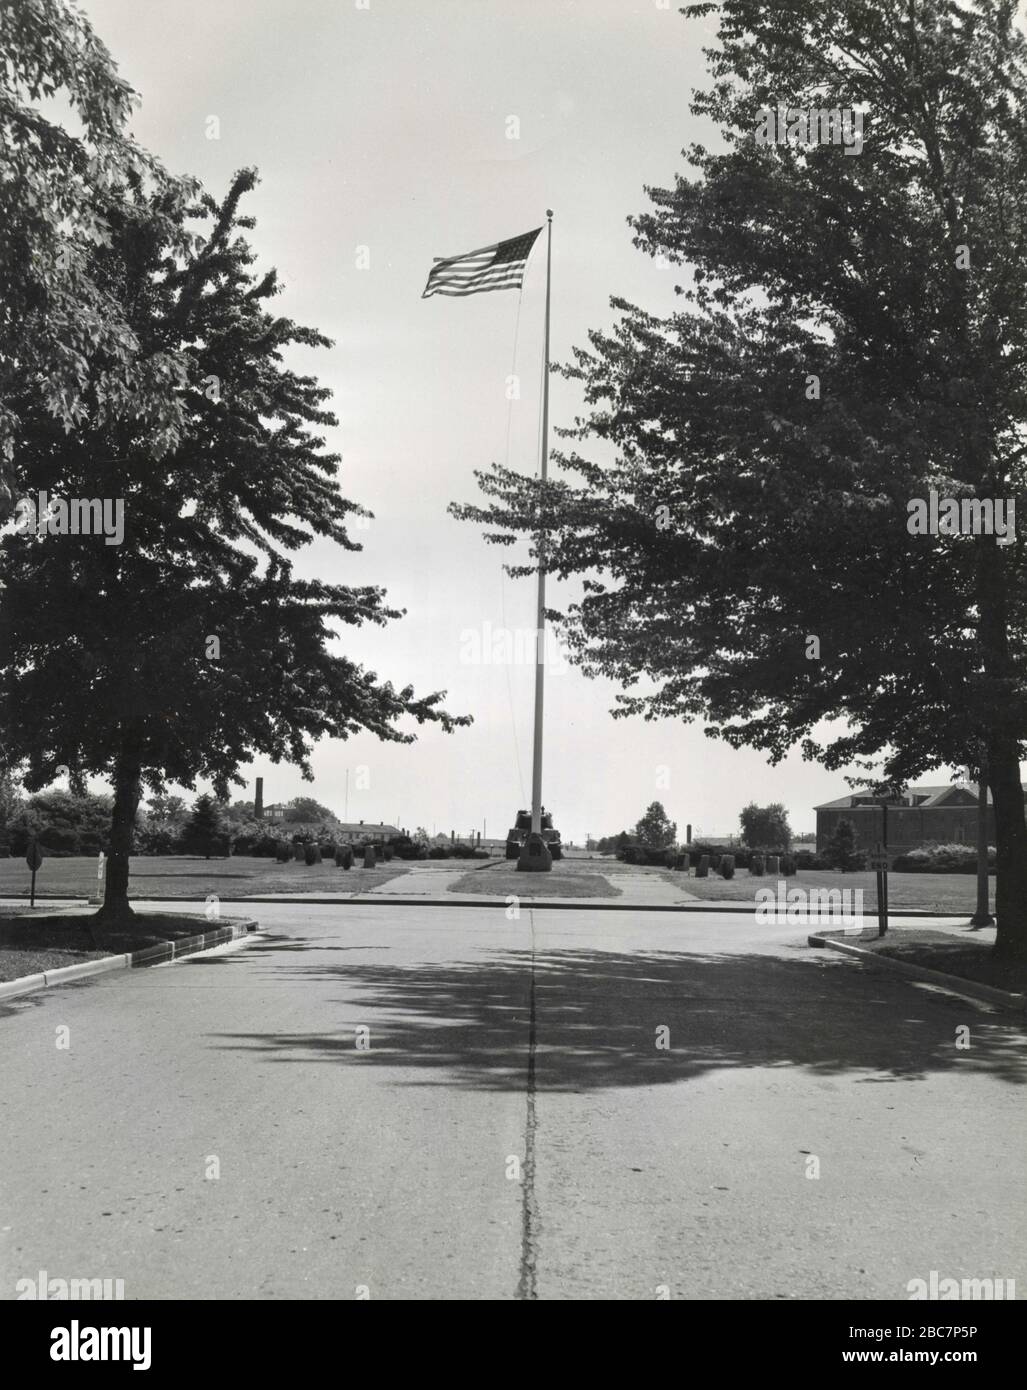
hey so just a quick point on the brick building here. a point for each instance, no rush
(945, 814)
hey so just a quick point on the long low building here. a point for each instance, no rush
(945, 814)
(357, 832)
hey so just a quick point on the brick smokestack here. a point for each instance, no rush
(258, 800)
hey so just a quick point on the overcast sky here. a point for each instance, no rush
(386, 128)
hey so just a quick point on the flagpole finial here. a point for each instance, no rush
(549, 213)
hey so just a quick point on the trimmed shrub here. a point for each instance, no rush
(462, 850)
(727, 866)
(697, 848)
(482, 854)
(806, 859)
(773, 864)
(702, 869)
(343, 857)
(387, 853)
(756, 865)
(787, 865)
(684, 862)
(441, 852)
(955, 858)
(311, 854)
(62, 824)
(299, 852)
(59, 840)
(370, 858)
(283, 852)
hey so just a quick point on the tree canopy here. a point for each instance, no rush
(67, 346)
(655, 829)
(305, 808)
(177, 654)
(765, 827)
(851, 334)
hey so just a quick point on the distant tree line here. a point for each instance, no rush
(66, 823)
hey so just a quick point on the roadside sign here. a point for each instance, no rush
(33, 859)
(878, 861)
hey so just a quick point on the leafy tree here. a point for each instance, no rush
(10, 804)
(205, 829)
(167, 813)
(613, 844)
(852, 335)
(182, 652)
(840, 850)
(161, 828)
(766, 827)
(656, 830)
(305, 808)
(62, 822)
(67, 347)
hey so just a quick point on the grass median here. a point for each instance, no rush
(966, 959)
(33, 942)
(567, 879)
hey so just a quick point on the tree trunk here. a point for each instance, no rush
(1002, 745)
(1010, 849)
(127, 795)
(982, 916)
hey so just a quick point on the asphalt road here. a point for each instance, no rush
(518, 1126)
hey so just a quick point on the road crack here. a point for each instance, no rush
(527, 1284)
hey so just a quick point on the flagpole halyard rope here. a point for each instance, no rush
(540, 626)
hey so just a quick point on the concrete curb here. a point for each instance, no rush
(969, 989)
(567, 904)
(149, 955)
(497, 900)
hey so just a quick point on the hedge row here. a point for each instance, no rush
(942, 859)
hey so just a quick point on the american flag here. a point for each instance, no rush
(499, 267)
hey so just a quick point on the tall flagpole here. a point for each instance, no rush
(540, 634)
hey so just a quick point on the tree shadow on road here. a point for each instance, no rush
(596, 1018)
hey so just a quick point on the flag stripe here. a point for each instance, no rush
(498, 267)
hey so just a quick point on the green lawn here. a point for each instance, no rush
(186, 877)
(923, 892)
